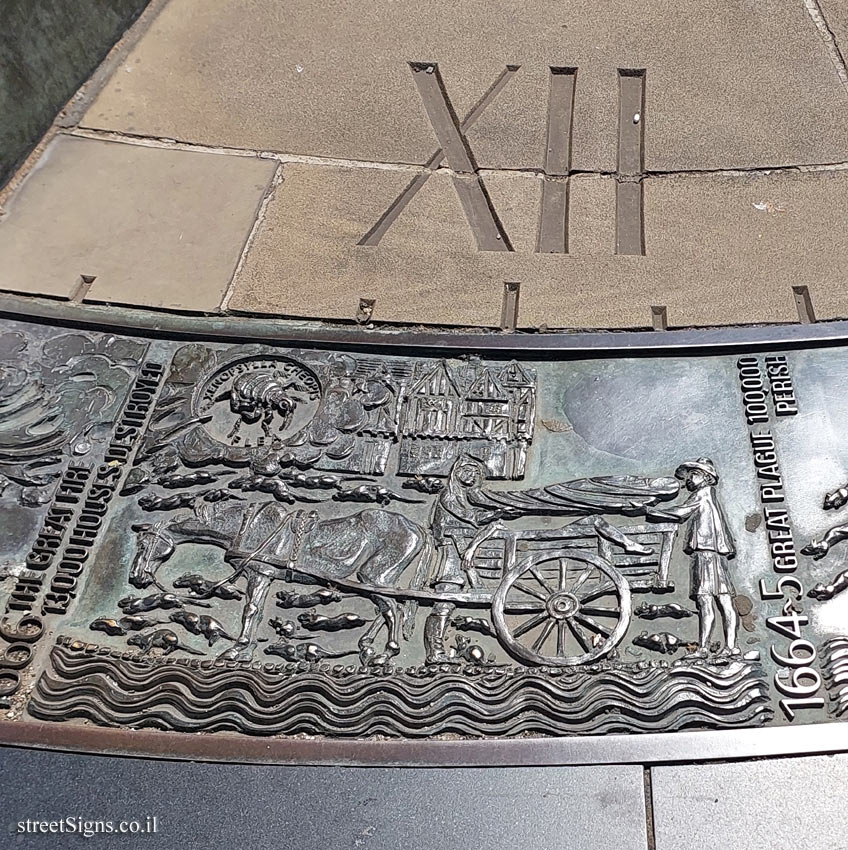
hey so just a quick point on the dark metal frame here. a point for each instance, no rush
(653, 748)
(134, 321)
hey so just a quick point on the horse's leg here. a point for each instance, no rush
(819, 548)
(400, 546)
(823, 592)
(389, 610)
(390, 617)
(366, 642)
(257, 592)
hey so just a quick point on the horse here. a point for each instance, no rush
(268, 542)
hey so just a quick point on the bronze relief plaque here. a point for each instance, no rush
(350, 545)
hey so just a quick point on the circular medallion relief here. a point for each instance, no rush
(258, 401)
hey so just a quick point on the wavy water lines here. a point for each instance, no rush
(116, 689)
(835, 672)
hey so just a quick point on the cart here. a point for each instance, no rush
(557, 597)
(562, 596)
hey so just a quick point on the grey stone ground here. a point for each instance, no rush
(240, 151)
(762, 805)
(748, 805)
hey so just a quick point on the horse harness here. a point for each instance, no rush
(299, 528)
(300, 521)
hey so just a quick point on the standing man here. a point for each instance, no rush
(710, 544)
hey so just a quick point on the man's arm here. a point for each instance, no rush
(675, 513)
(481, 537)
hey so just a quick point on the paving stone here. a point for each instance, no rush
(720, 250)
(159, 228)
(755, 805)
(741, 243)
(222, 806)
(305, 260)
(591, 216)
(728, 84)
(835, 14)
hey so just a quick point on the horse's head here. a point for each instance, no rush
(153, 546)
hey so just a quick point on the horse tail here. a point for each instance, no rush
(422, 572)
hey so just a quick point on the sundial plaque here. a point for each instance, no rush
(339, 547)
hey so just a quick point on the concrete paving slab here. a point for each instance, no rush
(591, 216)
(154, 227)
(165, 228)
(222, 806)
(728, 84)
(742, 242)
(835, 18)
(720, 250)
(305, 260)
(760, 805)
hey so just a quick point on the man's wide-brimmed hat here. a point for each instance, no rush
(702, 463)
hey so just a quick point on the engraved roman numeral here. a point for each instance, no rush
(553, 224)
(629, 224)
(553, 221)
(476, 204)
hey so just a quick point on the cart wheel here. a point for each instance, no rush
(561, 610)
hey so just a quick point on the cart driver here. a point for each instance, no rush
(455, 522)
(459, 519)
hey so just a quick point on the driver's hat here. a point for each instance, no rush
(704, 464)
